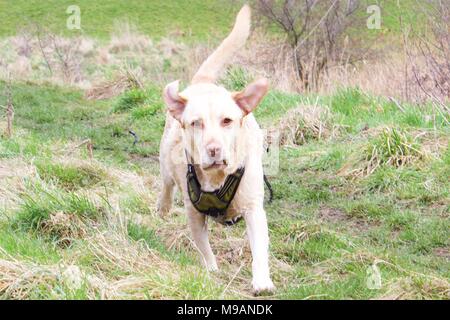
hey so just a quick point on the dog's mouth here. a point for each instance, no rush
(217, 165)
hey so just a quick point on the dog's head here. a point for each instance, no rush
(211, 118)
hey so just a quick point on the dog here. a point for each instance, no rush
(215, 133)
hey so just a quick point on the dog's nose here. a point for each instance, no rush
(214, 150)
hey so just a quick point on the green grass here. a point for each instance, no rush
(70, 177)
(327, 227)
(22, 244)
(129, 100)
(49, 113)
(331, 219)
(36, 210)
(197, 18)
(140, 232)
(409, 11)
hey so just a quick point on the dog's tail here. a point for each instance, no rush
(210, 69)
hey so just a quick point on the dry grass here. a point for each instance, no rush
(126, 38)
(231, 249)
(125, 80)
(413, 289)
(406, 286)
(392, 76)
(115, 251)
(36, 55)
(385, 77)
(13, 176)
(19, 279)
(66, 227)
(60, 60)
(273, 60)
(144, 278)
(306, 123)
(119, 268)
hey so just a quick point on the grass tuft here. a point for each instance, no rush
(392, 147)
(61, 217)
(304, 124)
(70, 177)
(129, 100)
(236, 79)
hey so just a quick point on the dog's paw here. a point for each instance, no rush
(261, 287)
(163, 211)
(212, 267)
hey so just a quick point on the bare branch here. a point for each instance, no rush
(316, 32)
(9, 108)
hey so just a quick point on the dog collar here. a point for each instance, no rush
(213, 203)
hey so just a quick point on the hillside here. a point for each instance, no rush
(93, 220)
(361, 193)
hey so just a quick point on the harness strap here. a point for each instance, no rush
(269, 186)
(215, 203)
(212, 203)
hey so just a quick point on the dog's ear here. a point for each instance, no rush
(175, 103)
(251, 96)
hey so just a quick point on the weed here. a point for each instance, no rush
(129, 100)
(71, 177)
(236, 79)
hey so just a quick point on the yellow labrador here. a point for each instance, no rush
(215, 132)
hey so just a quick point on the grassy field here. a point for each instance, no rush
(197, 19)
(155, 18)
(361, 199)
(66, 216)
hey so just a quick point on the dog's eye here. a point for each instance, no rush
(226, 121)
(197, 123)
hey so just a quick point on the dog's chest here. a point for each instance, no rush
(237, 209)
(232, 215)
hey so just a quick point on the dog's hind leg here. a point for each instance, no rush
(166, 196)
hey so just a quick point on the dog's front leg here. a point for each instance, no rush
(199, 231)
(258, 237)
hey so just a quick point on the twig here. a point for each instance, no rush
(41, 47)
(87, 142)
(9, 109)
(397, 104)
(232, 279)
(90, 149)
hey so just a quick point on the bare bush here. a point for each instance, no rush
(317, 34)
(62, 56)
(24, 43)
(431, 77)
(67, 58)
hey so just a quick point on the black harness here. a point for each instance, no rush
(215, 203)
